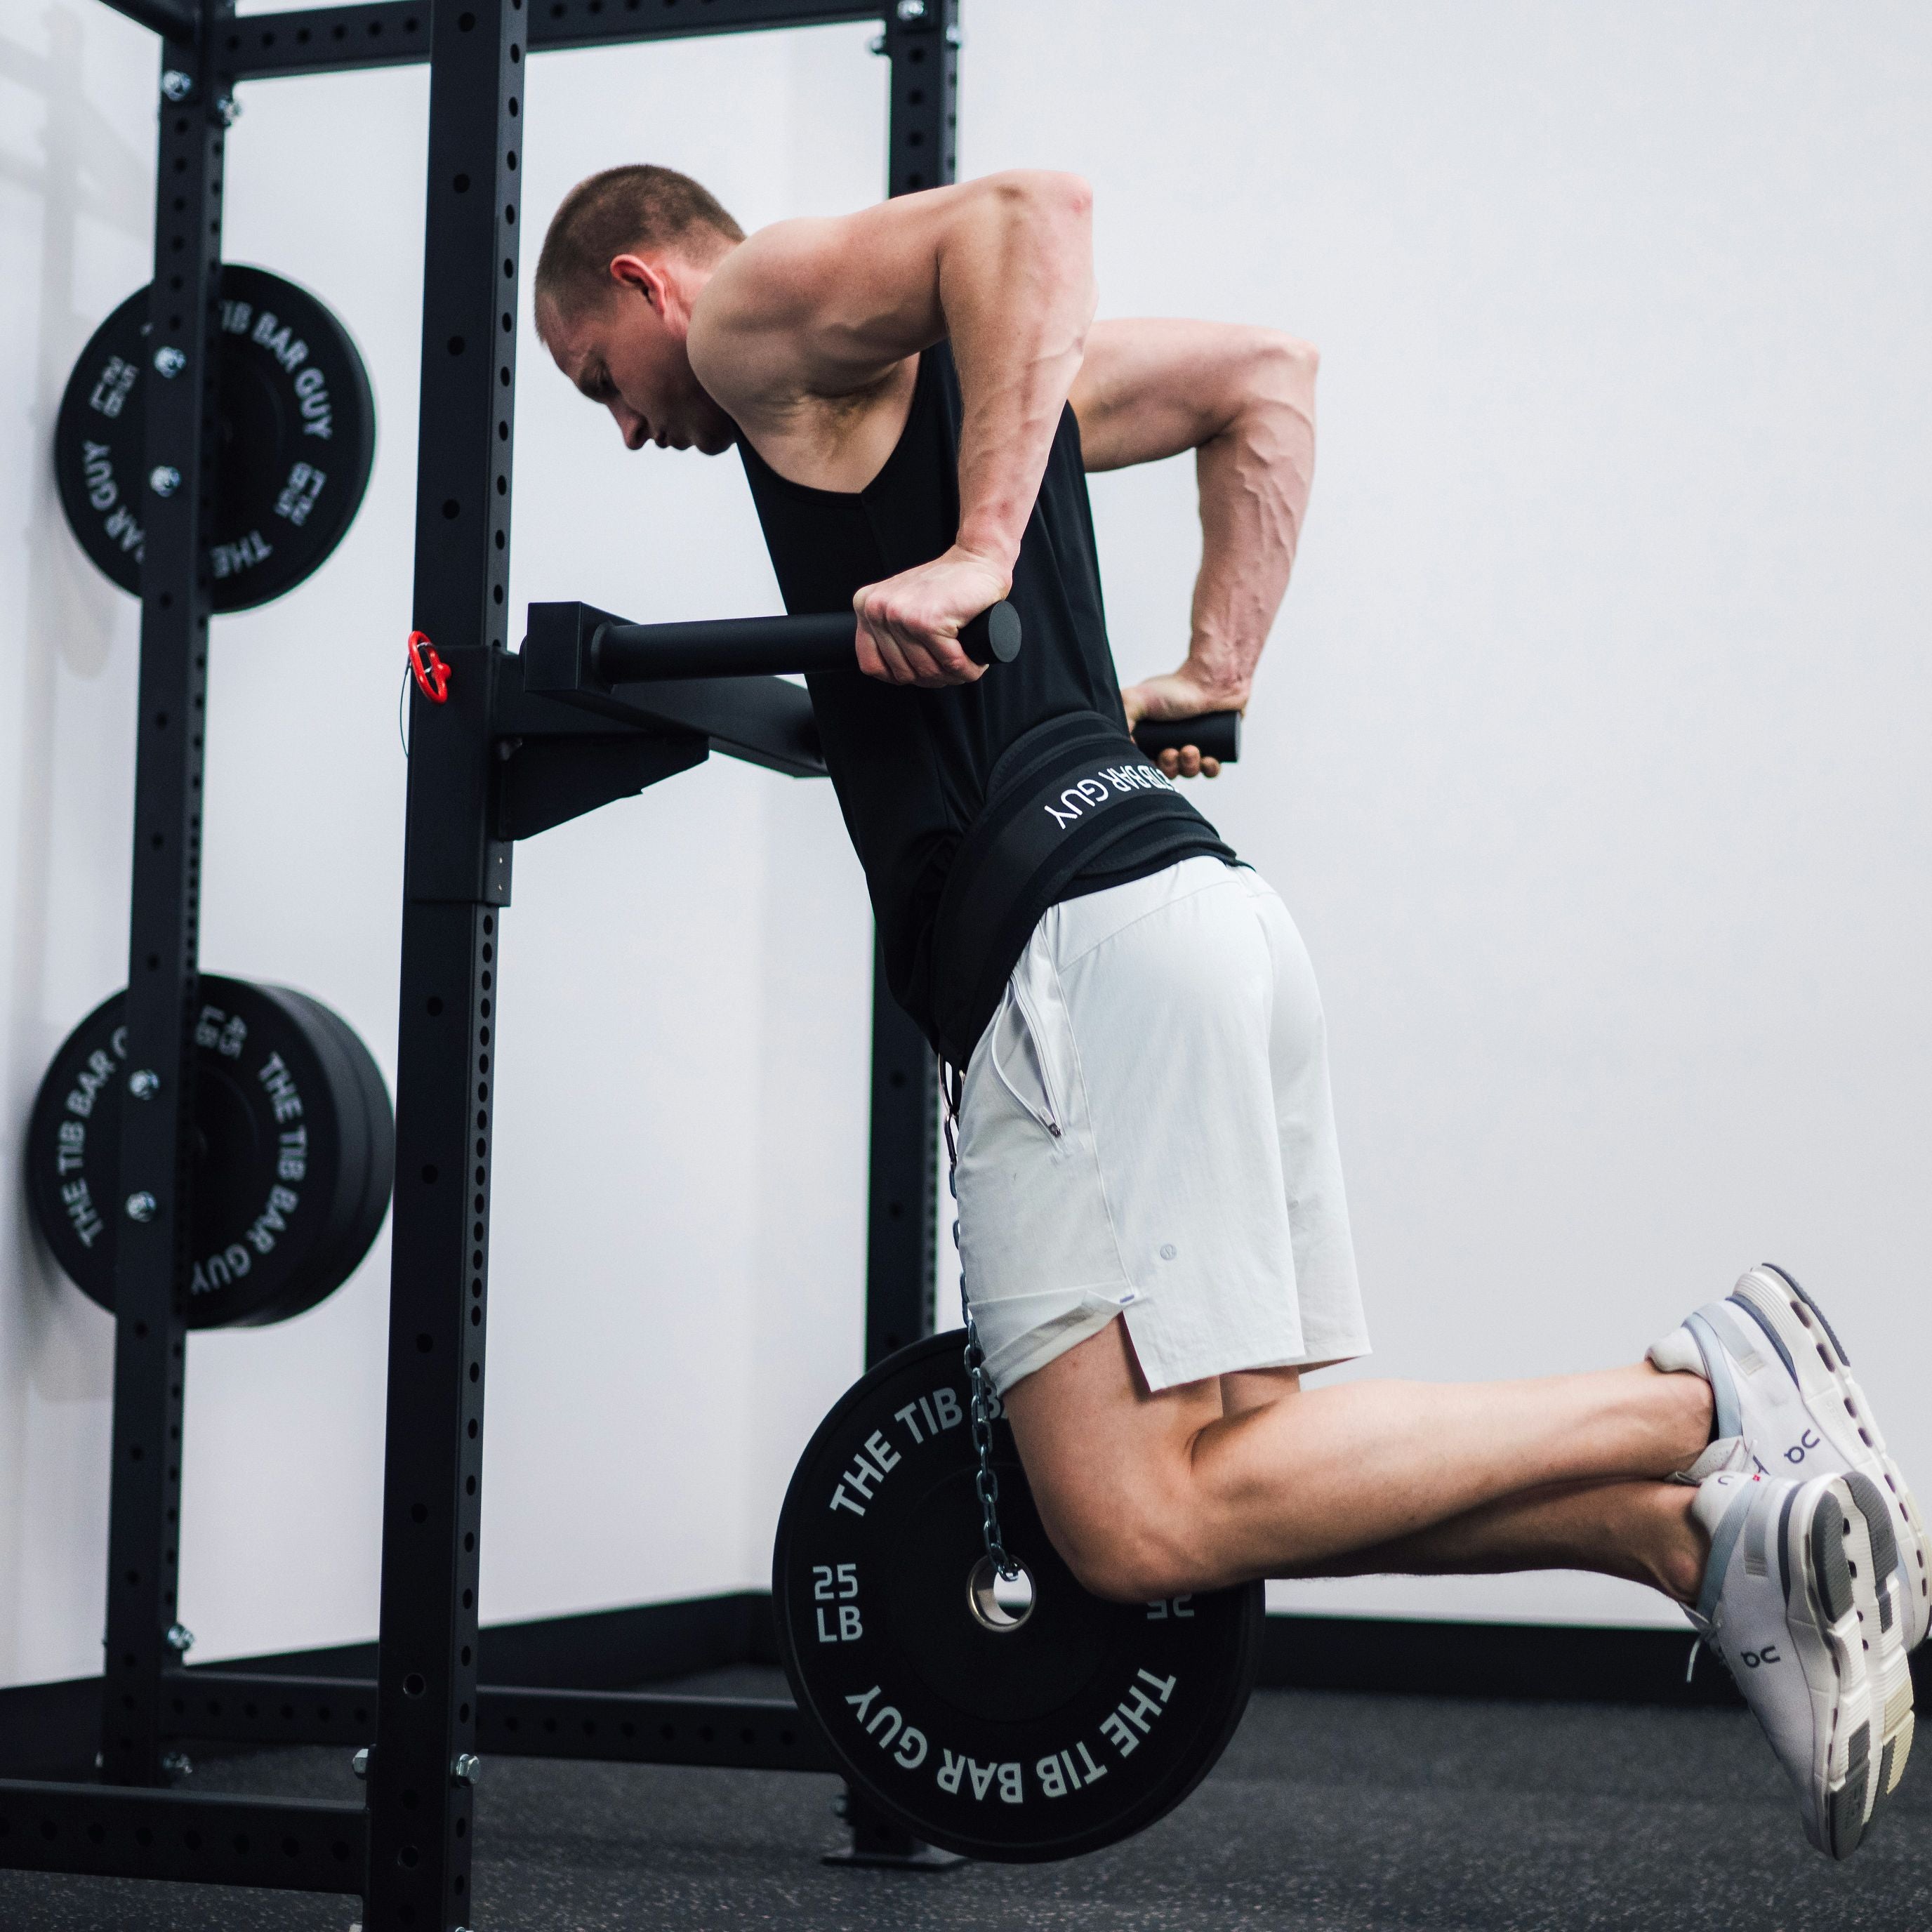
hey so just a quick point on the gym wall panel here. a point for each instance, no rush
(684, 1117)
(302, 865)
(75, 196)
(1589, 753)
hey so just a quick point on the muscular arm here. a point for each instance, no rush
(803, 334)
(1243, 400)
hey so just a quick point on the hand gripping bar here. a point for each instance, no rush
(765, 646)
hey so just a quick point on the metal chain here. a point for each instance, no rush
(984, 1396)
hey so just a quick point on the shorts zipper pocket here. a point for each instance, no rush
(1049, 1113)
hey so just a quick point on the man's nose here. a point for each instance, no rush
(630, 425)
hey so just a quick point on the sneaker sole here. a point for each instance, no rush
(1821, 1614)
(1871, 1555)
(1810, 1348)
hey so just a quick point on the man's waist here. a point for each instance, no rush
(1059, 799)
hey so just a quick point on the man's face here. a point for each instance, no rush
(627, 352)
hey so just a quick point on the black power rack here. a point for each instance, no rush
(494, 763)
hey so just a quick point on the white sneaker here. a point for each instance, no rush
(1780, 1606)
(1782, 1384)
(1786, 1403)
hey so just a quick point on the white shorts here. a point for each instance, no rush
(1146, 1131)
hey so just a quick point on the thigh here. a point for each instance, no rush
(1102, 1451)
(1327, 1289)
(1118, 1144)
(1256, 1388)
(1173, 1025)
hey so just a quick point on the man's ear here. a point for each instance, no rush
(634, 272)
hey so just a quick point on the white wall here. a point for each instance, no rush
(679, 1206)
(1585, 754)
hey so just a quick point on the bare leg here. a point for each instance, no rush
(1147, 1496)
(1640, 1530)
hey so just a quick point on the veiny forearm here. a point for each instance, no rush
(1255, 477)
(1016, 286)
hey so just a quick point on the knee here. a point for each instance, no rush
(1131, 1543)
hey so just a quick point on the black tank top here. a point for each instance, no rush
(910, 766)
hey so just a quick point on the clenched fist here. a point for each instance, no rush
(909, 625)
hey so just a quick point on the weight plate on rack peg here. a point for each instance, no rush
(297, 437)
(294, 1148)
(353, 1069)
(976, 1720)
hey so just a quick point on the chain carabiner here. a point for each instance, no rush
(984, 1397)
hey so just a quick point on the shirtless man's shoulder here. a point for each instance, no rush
(809, 333)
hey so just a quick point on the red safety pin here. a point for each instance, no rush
(432, 674)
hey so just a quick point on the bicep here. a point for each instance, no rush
(1149, 389)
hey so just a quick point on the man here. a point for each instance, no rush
(1155, 1236)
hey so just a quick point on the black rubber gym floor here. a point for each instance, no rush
(1330, 1812)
